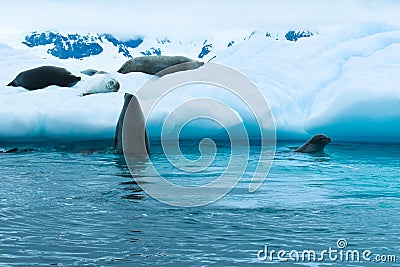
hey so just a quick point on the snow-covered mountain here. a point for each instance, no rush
(78, 46)
(343, 82)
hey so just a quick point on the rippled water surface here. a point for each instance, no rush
(77, 204)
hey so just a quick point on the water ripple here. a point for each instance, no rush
(63, 206)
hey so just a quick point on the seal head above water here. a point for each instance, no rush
(316, 144)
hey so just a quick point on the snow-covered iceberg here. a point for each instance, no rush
(342, 83)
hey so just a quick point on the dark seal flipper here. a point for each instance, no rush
(130, 133)
(11, 150)
(11, 84)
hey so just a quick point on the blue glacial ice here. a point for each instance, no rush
(342, 83)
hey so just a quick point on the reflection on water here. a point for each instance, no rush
(77, 204)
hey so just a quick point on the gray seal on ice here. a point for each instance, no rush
(156, 64)
(44, 76)
(316, 144)
(91, 72)
(101, 83)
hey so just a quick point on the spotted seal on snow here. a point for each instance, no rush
(91, 72)
(44, 76)
(316, 144)
(155, 64)
(101, 83)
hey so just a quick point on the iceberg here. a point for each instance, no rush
(342, 83)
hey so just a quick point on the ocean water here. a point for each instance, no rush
(76, 204)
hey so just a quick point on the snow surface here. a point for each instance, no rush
(343, 83)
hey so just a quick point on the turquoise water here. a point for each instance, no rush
(77, 204)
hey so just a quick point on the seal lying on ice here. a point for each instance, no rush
(316, 144)
(91, 72)
(44, 76)
(155, 64)
(101, 83)
(131, 129)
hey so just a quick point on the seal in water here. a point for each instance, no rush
(131, 129)
(101, 83)
(155, 64)
(44, 76)
(11, 150)
(316, 144)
